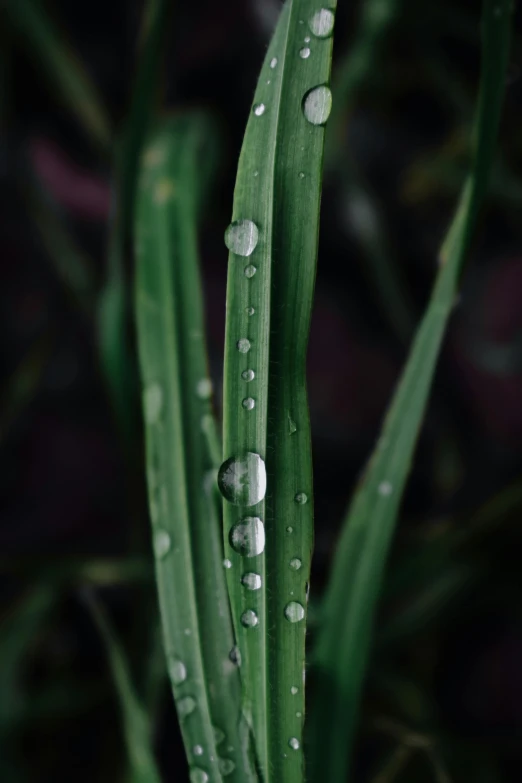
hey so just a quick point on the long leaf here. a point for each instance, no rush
(343, 644)
(273, 242)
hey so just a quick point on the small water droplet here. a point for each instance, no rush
(204, 388)
(322, 23)
(163, 191)
(259, 109)
(162, 543)
(256, 173)
(241, 237)
(301, 175)
(268, 81)
(197, 750)
(250, 270)
(385, 488)
(249, 311)
(235, 655)
(153, 402)
(304, 53)
(244, 345)
(294, 690)
(301, 498)
(294, 743)
(295, 564)
(307, 39)
(289, 529)
(294, 612)
(177, 671)
(298, 714)
(187, 632)
(317, 104)
(273, 62)
(185, 706)
(251, 581)
(249, 403)
(226, 766)
(248, 375)
(198, 775)
(227, 563)
(242, 480)
(249, 619)
(219, 735)
(292, 426)
(248, 537)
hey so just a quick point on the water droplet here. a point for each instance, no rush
(256, 173)
(163, 191)
(185, 706)
(251, 581)
(385, 488)
(322, 23)
(307, 39)
(250, 270)
(204, 388)
(301, 498)
(259, 109)
(177, 671)
(248, 537)
(295, 564)
(198, 775)
(235, 655)
(241, 237)
(250, 311)
(226, 766)
(294, 612)
(249, 403)
(292, 426)
(244, 345)
(317, 104)
(301, 175)
(248, 375)
(294, 690)
(289, 529)
(187, 632)
(294, 743)
(273, 62)
(242, 480)
(298, 714)
(162, 543)
(227, 563)
(153, 402)
(249, 619)
(219, 735)
(197, 750)
(304, 53)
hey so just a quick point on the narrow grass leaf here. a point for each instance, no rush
(266, 478)
(177, 392)
(343, 643)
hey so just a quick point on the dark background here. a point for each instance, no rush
(446, 688)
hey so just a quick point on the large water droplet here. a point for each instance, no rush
(241, 237)
(251, 581)
(322, 23)
(248, 375)
(249, 403)
(197, 750)
(185, 706)
(162, 543)
(304, 53)
(198, 775)
(243, 345)
(317, 104)
(259, 109)
(273, 62)
(204, 388)
(249, 619)
(177, 671)
(242, 480)
(226, 766)
(301, 498)
(219, 735)
(294, 612)
(248, 537)
(295, 564)
(294, 743)
(250, 271)
(235, 655)
(153, 402)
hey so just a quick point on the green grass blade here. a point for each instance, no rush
(46, 45)
(194, 604)
(343, 643)
(269, 301)
(143, 767)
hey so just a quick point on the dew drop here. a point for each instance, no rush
(322, 23)
(249, 311)
(162, 543)
(227, 563)
(177, 671)
(292, 426)
(259, 109)
(385, 488)
(273, 62)
(298, 714)
(243, 345)
(307, 39)
(304, 53)
(163, 191)
(301, 175)
(248, 375)
(235, 655)
(242, 480)
(294, 690)
(204, 388)
(301, 498)
(250, 270)
(251, 581)
(241, 237)
(248, 537)
(219, 735)
(249, 619)
(249, 403)
(153, 402)
(317, 104)
(295, 564)
(289, 529)
(197, 750)
(185, 706)
(198, 775)
(294, 743)
(226, 766)
(294, 612)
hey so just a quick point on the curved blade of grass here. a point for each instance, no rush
(343, 643)
(197, 627)
(278, 187)
(143, 767)
(46, 45)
